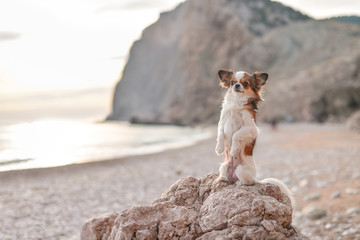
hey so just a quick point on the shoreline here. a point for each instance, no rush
(106, 162)
(80, 151)
(41, 203)
(54, 203)
(116, 161)
(209, 132)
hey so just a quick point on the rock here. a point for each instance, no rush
(304, 183)
(312, 196)
(176, 60)
(336, 194)
(329, 226)
(204, 209)
(353, 211)
(351, 191)
(98, 228)
(349, 231)
(353, 122)
(321, 184)
(356, 175)
(295, 189)
(313, 212)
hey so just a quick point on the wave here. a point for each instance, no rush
(15, 161)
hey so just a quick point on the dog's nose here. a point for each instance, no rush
(237, 85)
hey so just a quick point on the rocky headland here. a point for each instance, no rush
(171, 74)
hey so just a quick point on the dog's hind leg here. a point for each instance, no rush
(246, 171)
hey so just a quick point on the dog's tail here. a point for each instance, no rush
(282, 187)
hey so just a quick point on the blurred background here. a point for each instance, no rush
(64, 63)
(61, 60)
(82, 81)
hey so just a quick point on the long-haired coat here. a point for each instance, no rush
(237, 130)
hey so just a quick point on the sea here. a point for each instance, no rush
(53, 142)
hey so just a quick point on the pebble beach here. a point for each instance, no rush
(319, 163)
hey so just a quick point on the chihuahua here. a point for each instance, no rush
(237, 130)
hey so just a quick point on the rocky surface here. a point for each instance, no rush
(306, 71)
(203, 209)
(99, 228)
(348, 19)
(171, 74)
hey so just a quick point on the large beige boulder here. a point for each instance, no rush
(203, 209)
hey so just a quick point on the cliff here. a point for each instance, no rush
(314, 70)
(171, 74)
(202, 209)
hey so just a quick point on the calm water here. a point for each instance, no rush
(54, 143)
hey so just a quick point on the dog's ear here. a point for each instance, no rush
(260, 78)
(225, 77)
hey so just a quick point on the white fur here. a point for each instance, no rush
(239, 75)
(223, 172)
(236, 128)
(282, 187)
(246, 171)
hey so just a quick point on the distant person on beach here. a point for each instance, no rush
(273, 124)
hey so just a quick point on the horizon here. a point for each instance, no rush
(62, 60)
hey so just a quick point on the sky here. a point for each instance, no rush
(63, 58)
(57, 57)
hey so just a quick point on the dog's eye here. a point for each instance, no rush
(245, 84)
(232, 83)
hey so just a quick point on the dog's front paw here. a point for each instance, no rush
(223, 173)
(239, 183)
(221, 178)
(219, 149)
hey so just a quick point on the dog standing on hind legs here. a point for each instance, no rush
(237, 130)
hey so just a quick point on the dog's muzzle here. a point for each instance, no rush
(237, 87)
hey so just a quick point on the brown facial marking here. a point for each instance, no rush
(245, 84)
(249, 86)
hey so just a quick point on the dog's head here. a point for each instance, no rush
(242, 84)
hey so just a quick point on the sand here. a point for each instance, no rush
(54, 203)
